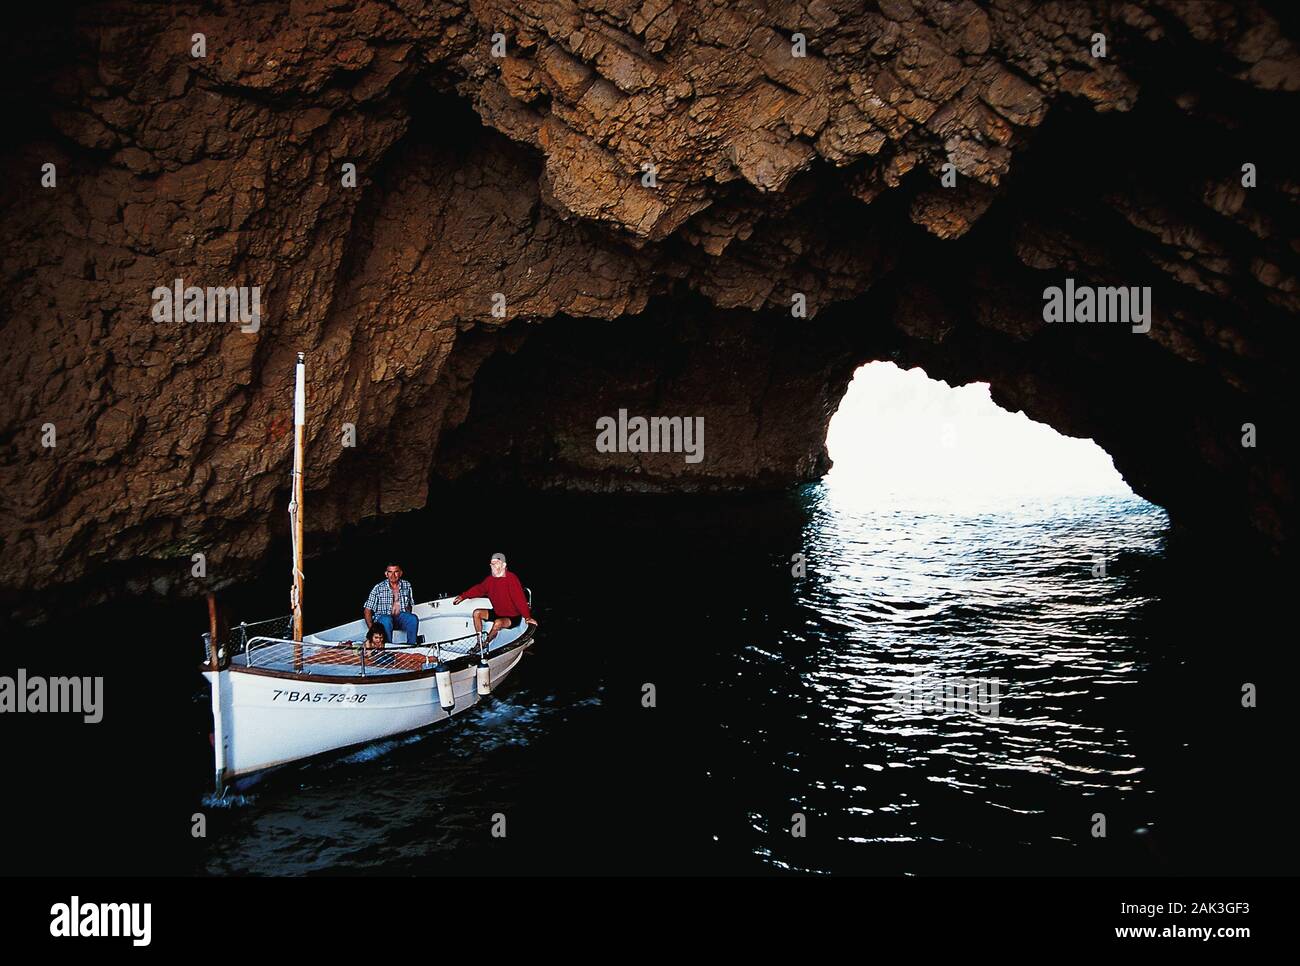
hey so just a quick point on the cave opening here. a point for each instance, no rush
(900, 437)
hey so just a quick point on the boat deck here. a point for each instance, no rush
(339, 661)
(446, 631)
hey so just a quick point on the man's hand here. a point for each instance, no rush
(530, 620)
(458, 600)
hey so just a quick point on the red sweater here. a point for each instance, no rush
(505, 592)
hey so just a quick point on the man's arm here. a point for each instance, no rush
(368, 608)
(370, 616)
(477, 590)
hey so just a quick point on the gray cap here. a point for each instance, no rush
(499, 556)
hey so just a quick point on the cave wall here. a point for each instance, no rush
(774, 175)
(760, 392)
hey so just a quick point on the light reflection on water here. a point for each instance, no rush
(911, 589)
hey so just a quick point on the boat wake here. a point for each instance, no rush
(377, 750)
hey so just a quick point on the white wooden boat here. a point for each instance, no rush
(270, 708)
(278, 699)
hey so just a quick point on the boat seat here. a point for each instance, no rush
(399, 637)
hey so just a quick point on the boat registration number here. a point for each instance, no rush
(318, 697)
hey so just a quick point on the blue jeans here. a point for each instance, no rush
(406, 621)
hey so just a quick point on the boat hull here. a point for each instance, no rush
(272, 718)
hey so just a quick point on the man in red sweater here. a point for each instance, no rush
(509, 602)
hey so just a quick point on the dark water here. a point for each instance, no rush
(775, 695)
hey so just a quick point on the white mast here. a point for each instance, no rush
(295, 505)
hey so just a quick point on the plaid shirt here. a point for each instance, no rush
(381, 597)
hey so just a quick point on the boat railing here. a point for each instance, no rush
(282, 654)
(275, 627)
(237, 638)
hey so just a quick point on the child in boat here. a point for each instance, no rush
(375, 641)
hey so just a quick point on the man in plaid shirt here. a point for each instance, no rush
(391, 603)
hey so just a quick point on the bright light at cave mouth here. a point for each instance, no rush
(902, 435)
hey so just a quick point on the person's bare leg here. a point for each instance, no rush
(497, 624)
(478, 620)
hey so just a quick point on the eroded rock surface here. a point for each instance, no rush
(663, 177)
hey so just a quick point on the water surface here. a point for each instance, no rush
(783, 701)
